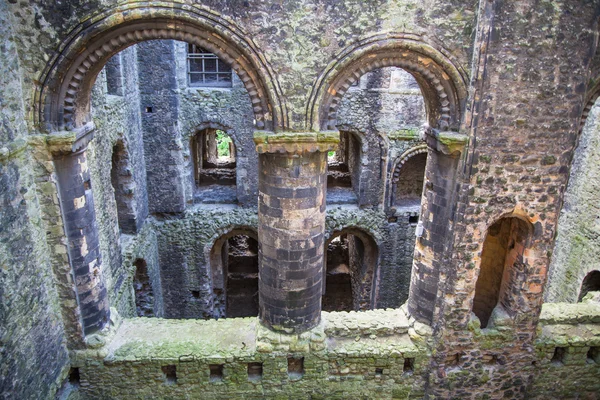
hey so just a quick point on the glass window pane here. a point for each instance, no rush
(195, 78)
(210, 78)
(223, 67)
(210, 65)
(195, 65)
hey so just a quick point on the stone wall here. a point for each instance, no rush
(576, 252)
(512, 79)
(33, 353)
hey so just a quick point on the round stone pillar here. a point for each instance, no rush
(438, 207)
(291, 224)
(79, 218)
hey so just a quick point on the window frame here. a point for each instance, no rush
(194, 52)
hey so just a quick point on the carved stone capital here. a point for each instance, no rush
(446, 142)
(296, 142)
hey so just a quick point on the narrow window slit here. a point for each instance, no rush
(295, 367)
(170, 372)
(216, 372)
(255, 371)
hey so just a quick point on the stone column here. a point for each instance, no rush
(437, 214)
(291, 211)
(79, 218)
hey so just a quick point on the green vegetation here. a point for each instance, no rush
(223, 145)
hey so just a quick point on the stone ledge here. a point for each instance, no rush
(374, 332)
(570, 314)
(295, 142)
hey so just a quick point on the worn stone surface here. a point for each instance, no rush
(576, 253)
(505, 86)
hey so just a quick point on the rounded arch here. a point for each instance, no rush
(218, 267)
(217, 125)
(590, 283)
(590, 99)
(504, 269)
(63, 99)
(443, 85)
(398, 164)
(364, 275)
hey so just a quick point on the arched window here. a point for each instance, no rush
(502, 267)
(350, 272)
(408, 179)
(591, 283)
(234, 266)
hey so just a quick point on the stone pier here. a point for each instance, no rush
(291, 209)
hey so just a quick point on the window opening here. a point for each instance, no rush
(206, 69)
(216, 372)
(591, 283)
(502, 266)
(343, 170)
(558, 357)
(295, 367)
(144, 298)
(255, 371)
(170, 372)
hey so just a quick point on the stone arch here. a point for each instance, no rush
(199, 153)
(364, 271)
(443, 85)
(399, 164)
(504, 268)
(590, 99)
(218, 268)
(591, 283)
(63, 98)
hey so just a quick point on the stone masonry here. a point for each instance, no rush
(434, 162)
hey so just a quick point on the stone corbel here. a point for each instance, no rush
(67, 142)
(446, 142)
(296, 142)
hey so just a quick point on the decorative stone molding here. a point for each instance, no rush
(63, 98)
(295, 142)
(443, 85)
(448, 143)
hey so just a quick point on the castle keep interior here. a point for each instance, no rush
(300, 199)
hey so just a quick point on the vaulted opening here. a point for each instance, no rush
(407, 181)
(214, 162)
(343, 170)
(502, 266)
(234, 264)
(350, 272)
(591, 283)
(142, 287)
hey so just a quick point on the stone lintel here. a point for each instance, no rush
(295, 142)
(449, 143)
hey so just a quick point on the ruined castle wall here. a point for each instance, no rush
(525, 137)
(386, 111)
(117, 119)
(33, 355)
(576, 252)
(228, 108)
